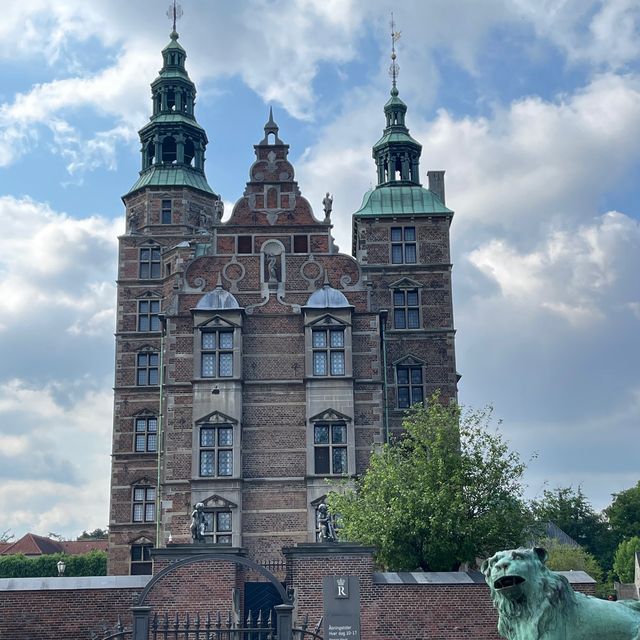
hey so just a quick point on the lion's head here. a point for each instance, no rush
(526, 594)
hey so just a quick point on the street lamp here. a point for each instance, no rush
(61, 567)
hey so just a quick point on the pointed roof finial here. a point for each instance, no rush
(394, 69)
(174, 13)
(271, 128)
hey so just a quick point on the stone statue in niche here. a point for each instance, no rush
(272, 263)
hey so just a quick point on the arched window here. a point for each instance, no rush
(171, 100)
(189, 151)
(150, 155)
(169, 150)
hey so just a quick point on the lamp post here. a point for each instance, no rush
(61, 567)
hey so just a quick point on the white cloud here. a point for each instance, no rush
(51, 261)
(580, 274)
(601, 33)
(55, 473)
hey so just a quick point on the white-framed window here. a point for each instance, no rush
(403, 245)
(144, 504)
(150, 262)
(328, 347)
(410, 385)
(147, 368)
(216, 353)
(406, 309)
(218, 526)
(148, 315)
(216, 450)
(330, 448)
(146, 434)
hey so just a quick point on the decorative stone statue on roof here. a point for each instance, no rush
(327, 205)
(198, 523)
(535, 603)
(218, 210)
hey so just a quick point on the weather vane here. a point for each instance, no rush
(394, 69)
(174, 12)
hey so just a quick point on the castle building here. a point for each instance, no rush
(253, 360)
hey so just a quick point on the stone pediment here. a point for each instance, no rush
(216, 417)
(144, 412)
(406, 283)
(329, 321)
(144, 481)
(330, 415)
(151, 293)
(217, 322)
(142, 539)
(218, 502)
(409, 361)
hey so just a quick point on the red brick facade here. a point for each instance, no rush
(270, 283)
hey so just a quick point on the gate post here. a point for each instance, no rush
(284, 621)
(140, 622)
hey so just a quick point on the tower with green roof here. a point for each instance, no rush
(400, 238)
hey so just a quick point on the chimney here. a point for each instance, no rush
(436, 183)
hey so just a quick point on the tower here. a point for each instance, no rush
(400, 239)
(254, 361)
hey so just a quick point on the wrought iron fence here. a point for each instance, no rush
(216, 627)
(118, 632)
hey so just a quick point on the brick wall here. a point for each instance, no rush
(452, 606)
(39, 611)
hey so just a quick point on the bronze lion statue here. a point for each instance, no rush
(535, 603)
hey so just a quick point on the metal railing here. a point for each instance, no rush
(261, 626)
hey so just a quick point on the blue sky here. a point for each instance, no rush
(531, 106)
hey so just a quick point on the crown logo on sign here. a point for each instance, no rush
(340, 582)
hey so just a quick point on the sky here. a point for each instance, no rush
(532, 107)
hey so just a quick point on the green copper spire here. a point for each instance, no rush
(173, 143)
(396, 154)
(397, 157)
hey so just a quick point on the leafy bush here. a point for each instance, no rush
(624, 559)
(93, 563)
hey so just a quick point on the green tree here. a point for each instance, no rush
(572, 512)
(624, 512)
(96, 534)
(624, 559)
(445, 493)
(567, 557)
